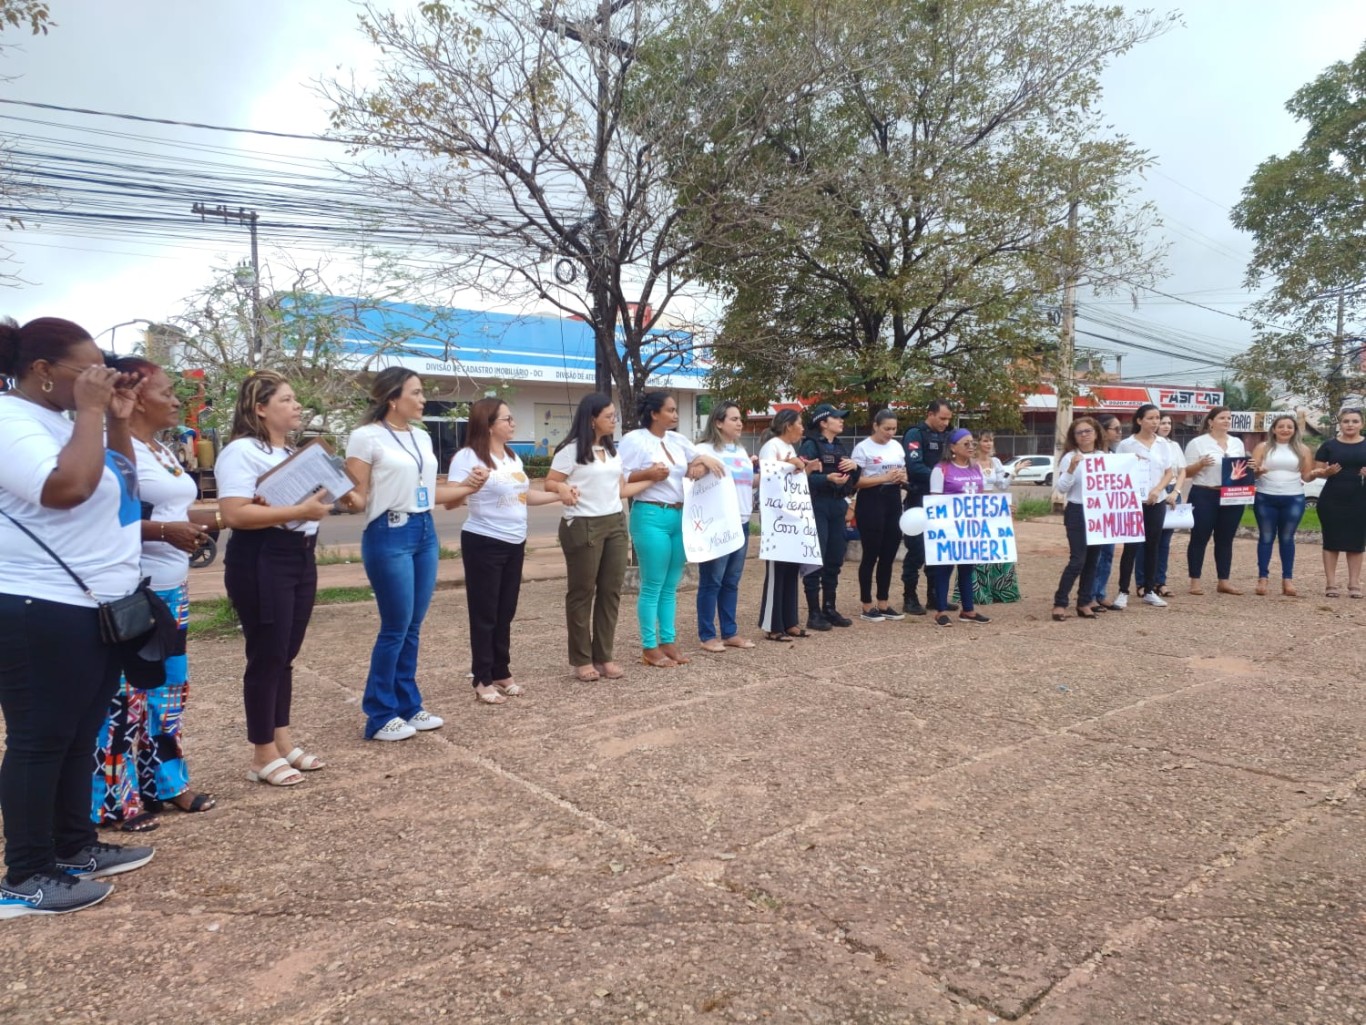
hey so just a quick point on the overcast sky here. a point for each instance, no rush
(1206, 99)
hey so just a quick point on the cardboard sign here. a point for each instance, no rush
(1237, 485)
(788, 525)
(711, 518)
(968, 529)
(1110, 499)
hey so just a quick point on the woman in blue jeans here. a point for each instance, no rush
(1282, 463)
(718, 585)
(394, 467)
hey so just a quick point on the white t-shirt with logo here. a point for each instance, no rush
(498, 509)
(876, 458)
(642, 448)
(100, 539)
(741, 469)
(242, 463)
(400, 462)
(171, 496)
(598, 480)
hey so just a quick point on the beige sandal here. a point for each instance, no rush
(278, 773)
(303, 761)
(713, 646)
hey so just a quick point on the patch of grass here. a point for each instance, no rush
(343, 595)
(1310, 521)
(325, 556)
(1032, 508)
(212, 617)
(447, 553)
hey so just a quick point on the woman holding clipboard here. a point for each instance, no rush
(269, 571)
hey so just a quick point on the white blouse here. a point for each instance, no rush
(642, 448)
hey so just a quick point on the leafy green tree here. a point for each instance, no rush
(898, 223)
(1306, 212)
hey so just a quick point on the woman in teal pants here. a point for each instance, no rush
(657, 453)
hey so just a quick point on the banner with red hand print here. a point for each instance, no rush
(1238, 485)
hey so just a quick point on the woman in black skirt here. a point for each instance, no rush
(1341, 461)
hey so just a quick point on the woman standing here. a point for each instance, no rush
(269, 572)
(1283, 464)
(779, 615)
(831, 485)
(1205, 467)
(956, 476)
(586, 473)
(718, 585)
(993, 581)
(877, 512)
(1111, 432)
(139, 765)
(394, 467)
(1342, 505)
(657, 454)
(57, 675)
(1082, 436)
(1178, 460)
(1155, 458)
(493, 542)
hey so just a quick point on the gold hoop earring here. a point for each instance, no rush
(47, 386)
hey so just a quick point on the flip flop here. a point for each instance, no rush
(198, 803)
(586, 674)
(1353, 592)
(778, 637)
(278, 773)
(799, 634)
(602, 668)
(143, 822)
(303, 761)
(1332, 592)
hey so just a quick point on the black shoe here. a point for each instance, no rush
(817, 621)
(836, 619)
(912, 607)
(951, 607)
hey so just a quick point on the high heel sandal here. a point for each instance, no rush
(1084, 613)
(488, 694)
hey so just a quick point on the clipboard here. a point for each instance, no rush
(312, 467)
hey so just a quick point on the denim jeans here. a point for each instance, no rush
(1278, 517)
(718, 591)
(401, 564)
(1105, 557)
(941, 585)
(1081, 560)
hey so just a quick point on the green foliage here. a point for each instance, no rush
(1248, 394)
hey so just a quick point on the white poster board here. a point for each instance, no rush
(788, 526)
(1110, 497)
(711, 518)
(968, 529)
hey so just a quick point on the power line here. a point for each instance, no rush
(171, 121)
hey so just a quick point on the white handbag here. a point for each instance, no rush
(1179, 517)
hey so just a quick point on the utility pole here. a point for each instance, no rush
(1337, 377)
(249, 218)
(1067, 350)
(1119, 367)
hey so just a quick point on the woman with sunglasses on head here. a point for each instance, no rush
(877, 512)
(493, 542)
(1082, 436)
(394, 466)
(1341, 461)
(1111, 434)
(1283, 463)
(140, 768)
(718, 584)
(1154, 457)
(269, 571)
(1205, 455)
(779, 615)
(71, 484)
(586, 472)
(657, 454)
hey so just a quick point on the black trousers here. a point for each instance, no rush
(271, 577)
(1151, 546)
(1081, 561)
(493, 582)
(878, 515)
(778, 611)
(1211, 518)
(57, 679)
(914, 562)
(830, 511)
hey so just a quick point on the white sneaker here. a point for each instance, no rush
(394, 729)
(1154, 599)
(1121, 600)
(424, 720)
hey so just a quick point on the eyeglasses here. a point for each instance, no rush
(1084, 430)
(509, 419)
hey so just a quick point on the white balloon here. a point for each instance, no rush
(913, 521)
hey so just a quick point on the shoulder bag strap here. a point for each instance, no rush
(57, 558)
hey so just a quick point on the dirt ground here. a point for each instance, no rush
(1151, 818)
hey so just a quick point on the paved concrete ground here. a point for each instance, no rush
(1152, 818)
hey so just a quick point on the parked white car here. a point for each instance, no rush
(1312, 490)
(1032, 470)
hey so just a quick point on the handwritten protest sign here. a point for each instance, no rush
(968, 529)
(1110, 498)
(788, 526)
(711, 518)
(1237, 484)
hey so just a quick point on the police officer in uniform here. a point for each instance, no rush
(925, 444)
(830, 487)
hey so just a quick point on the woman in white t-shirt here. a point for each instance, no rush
(779, 614)
(1154, 456)
(493, 542)
(718, 580)
(660, 456)
(269, 571)
(59, 483)
(140, 767)
(586, 472)
(394, 467)
(877, 512)
(1205, 456)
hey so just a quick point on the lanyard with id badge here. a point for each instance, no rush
(422, 499)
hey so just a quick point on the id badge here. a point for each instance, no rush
(423, 499)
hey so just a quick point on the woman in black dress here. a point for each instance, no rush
(1341, 461)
